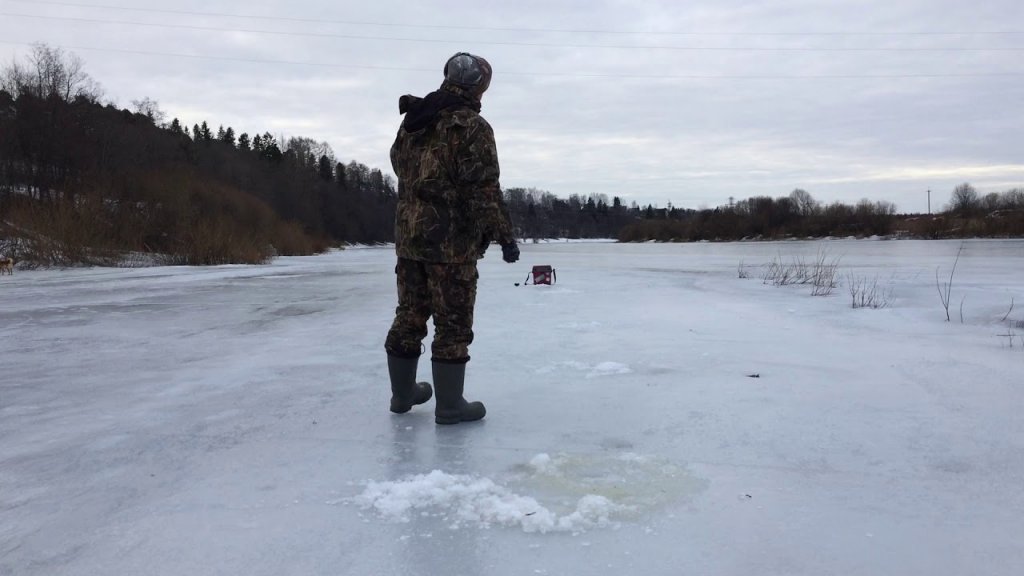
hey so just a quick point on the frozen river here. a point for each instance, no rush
(234, 420)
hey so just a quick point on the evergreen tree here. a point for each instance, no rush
(339, 174)
(243, 142)
(376, 182)
(271, 151)
(324, 170)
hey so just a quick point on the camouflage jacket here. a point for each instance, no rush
(449, 198)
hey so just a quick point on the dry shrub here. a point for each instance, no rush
(291, 240)
(224, 225)
(742, 271)
(219, 225)
(174, 214)
(820, 274)
(61, 232)
(823, 274)
(779, 273)
(219, 240)
(866, 293)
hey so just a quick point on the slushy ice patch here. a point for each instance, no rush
(634, 482)
(570, 494)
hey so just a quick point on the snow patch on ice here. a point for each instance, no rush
(609, 368)
(542, 463)
(593, 371)
(467, 500)
(580, 325)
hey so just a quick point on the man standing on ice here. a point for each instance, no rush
(449, 209)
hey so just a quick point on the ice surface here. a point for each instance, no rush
(233, 420)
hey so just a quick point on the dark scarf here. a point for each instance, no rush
(422, 112)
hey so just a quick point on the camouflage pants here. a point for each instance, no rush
(445, 291)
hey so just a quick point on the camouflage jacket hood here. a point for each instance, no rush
(449, 196)
(421, 112)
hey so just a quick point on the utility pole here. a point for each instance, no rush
(929, 202)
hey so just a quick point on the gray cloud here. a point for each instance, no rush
(644, 120)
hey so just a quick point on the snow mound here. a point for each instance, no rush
(467, 500)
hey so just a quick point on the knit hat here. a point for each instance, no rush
(469, 72)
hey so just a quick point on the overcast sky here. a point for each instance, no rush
(657, 101)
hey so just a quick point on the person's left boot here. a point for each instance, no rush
(406, 392)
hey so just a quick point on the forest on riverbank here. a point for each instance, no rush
(88, 182)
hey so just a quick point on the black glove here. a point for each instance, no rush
(510, 252)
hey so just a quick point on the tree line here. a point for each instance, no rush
(540, 214)
(799, 215)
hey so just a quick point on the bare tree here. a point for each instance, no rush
(304, 148)
(885, 208)
(805, 204)
(150, 109)
(1013, 199)
(991, 202)
(50, 73)
(965, 200)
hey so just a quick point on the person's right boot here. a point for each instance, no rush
(451, 407)
(406, 392)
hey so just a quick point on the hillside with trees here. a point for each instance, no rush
(84, 182)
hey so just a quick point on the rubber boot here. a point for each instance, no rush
(406, 392)
(451, 407)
